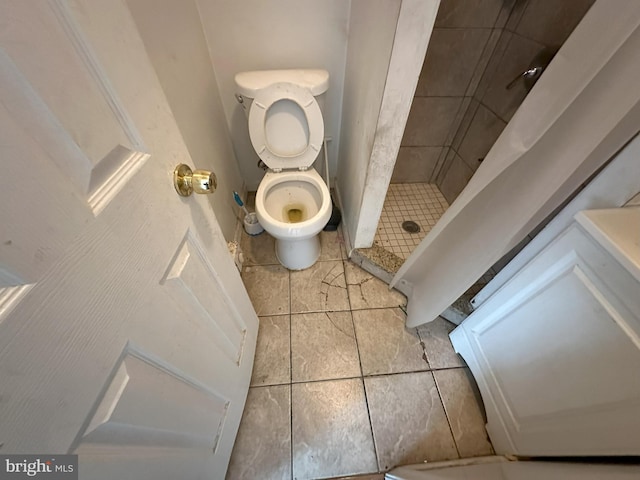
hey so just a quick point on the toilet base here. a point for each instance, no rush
(298, 254)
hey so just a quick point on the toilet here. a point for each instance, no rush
(293, 204)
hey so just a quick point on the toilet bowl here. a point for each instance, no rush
(294, 207)
(286, 129)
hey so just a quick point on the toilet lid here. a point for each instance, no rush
(286, 126)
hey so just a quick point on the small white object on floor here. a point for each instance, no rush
(251, 224)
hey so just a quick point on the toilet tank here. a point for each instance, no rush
(249, 83)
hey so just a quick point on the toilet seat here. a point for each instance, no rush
(258, 117)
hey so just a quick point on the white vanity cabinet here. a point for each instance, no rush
(556, 350)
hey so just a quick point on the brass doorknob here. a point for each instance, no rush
(188, 181)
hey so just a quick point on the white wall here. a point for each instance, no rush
(353, 40)
(371, 31)
(387, 44)
(258, 35)
(173, 36)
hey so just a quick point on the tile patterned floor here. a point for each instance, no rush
(339, 386)
(421, 202)
(424, 204)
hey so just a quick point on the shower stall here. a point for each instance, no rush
(482, 60)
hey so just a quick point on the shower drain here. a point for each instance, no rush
(410, 226)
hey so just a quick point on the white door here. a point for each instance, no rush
(556, 350)
(126, 335)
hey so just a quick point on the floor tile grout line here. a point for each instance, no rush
(266, 315)
(386, 374)
(364, 388)
(336, 311)
(369, 375)
(372, 376)
(446, 414)
(271, 264)
(424, 349)
(373, 437)
(268, 264)
(291, 431)
(290, 380)
(356, 375)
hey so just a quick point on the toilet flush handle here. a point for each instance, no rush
(187, 181)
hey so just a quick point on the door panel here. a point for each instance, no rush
(123, 421)
(191, 280)
(556, 353)
(66, 60)
(125, 330)
(35, 180)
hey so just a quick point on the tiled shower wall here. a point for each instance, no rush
(464, 36)
(461, 104)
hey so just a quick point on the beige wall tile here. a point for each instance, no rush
(415, 164)
(451, 154)
(467, 117)
(455, 179)
(484, 130)
(430, 120)
(451, 59)
(457, 121)
(483, 62)
(550, 22)
(515, 15)
(468, 13)
(517, 58)
(440, 165)
(505, 13)
(492, 66)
